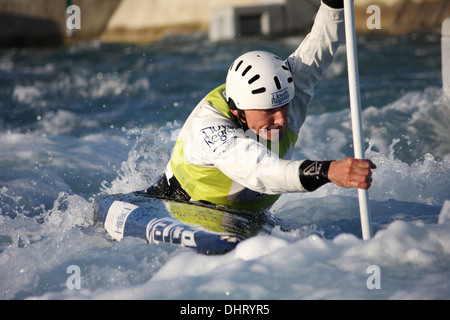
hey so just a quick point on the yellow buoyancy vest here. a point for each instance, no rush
(209, 183)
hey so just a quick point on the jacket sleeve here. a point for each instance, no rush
(313, 57)
(216, 142)
(253, 166)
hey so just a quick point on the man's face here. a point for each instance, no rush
(268, 124)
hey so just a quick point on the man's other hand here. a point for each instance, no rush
(351, 173)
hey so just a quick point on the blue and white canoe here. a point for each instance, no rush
(204, 228)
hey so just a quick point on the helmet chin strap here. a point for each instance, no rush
(240, 119)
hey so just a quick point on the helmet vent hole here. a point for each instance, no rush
(239, 65)
(290, 80)
(258, 91)
(277, 83)
(246, 70)
(253, 79)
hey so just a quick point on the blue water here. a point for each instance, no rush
(95, 118)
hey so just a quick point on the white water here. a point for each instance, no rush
(54, 165)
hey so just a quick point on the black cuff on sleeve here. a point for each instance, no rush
(314, 174)
(335, 4)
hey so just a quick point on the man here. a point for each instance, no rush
(235, 149)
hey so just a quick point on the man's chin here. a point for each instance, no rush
(274, 135)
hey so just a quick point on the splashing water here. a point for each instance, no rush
(94, 118)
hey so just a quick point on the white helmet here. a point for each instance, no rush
(259, 80)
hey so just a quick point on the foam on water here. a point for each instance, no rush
(58, 153)
(412, 257)
(411, 245)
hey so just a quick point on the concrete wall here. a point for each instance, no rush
(149, 20)
(42, 22)
(445, 48)
(228, 22)
(403, 16)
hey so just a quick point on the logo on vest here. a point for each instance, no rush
(215, 136)
(280, 98)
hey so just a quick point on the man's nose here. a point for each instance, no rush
(278, 118)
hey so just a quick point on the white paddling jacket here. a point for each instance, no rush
(214, 160)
